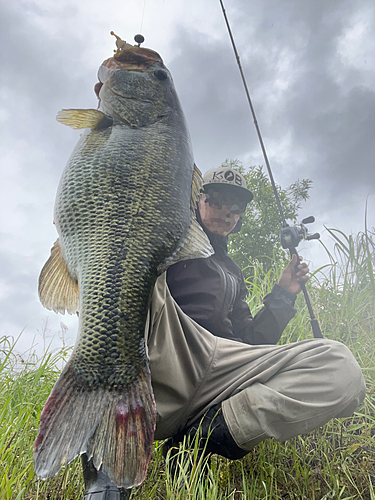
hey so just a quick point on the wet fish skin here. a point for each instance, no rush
(115, 273)
(123, 210)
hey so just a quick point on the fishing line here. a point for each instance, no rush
(289, 236)
(143, 13)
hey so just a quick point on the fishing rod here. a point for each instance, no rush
(290, 237)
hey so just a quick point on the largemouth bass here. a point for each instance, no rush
(124, 211)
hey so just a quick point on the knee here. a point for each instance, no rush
(345, 372)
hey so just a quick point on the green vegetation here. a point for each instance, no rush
(259, 237)
(334, 462)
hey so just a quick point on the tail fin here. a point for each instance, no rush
(115, 428)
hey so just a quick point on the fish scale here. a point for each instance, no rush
(124, 211)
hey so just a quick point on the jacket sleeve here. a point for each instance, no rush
(269, 323)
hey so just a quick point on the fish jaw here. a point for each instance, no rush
(137, 91)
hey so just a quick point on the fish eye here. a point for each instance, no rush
(161, 74)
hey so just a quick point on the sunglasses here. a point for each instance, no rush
(219, 199)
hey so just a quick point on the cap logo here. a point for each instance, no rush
(228, 176)
(217, 176)
(238, 180)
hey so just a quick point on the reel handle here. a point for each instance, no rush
(314, 236)
(308, 220)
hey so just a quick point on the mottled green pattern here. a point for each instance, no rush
(122, 208)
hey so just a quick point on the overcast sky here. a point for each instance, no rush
(310, 67)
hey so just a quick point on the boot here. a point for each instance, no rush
(214, 437)
(98, 486)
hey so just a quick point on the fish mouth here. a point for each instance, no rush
(134, 59)
(138, 55)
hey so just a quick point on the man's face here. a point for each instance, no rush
(220, 210)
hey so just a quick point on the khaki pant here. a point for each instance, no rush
(267, 391)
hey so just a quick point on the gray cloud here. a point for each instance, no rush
(208, 84)
(303, 92)
(310, 69)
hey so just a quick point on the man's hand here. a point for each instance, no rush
(290, 280)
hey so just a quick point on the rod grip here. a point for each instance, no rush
(317, 332)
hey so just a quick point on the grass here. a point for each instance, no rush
(336, 461)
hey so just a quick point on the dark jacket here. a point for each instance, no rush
(212, 291)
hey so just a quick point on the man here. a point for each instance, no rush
(215, 365)
(212, 291)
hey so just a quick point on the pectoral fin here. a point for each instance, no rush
(84, 118)
(58, 291)
(196, 243)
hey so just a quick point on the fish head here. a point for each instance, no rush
(136, 88)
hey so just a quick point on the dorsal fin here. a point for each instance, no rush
(196, 243)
